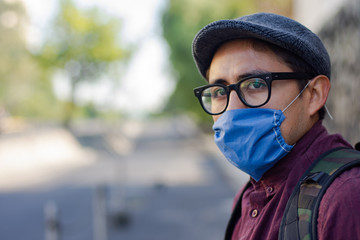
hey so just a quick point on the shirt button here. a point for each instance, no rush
(254, 213)
(270, 189)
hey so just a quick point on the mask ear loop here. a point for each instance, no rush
(328, 112)
(297, 96)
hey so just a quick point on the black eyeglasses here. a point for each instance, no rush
(254, 91)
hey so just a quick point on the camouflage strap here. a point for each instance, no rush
(301, 212)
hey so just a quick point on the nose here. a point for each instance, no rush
(234, 101)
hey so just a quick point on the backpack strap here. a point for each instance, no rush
(301, 212)
(236, 214)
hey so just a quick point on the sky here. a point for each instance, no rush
(146, 83)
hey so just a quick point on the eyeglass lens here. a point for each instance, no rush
(253, 91)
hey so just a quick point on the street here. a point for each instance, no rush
(159, 179)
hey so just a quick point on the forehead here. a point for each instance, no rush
(247, 44)
(242, 56)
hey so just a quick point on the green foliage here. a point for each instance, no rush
(83, 44)
(23, 89)
(181, 21)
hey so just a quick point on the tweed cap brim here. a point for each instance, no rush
(278, 30)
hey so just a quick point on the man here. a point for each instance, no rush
(269, 79)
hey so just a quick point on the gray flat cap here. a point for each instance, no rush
(278, 30)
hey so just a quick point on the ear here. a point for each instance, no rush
(319, 91)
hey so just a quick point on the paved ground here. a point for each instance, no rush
(155, 180)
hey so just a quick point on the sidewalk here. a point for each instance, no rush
(162, 175)
(36, 157)
(41, 157)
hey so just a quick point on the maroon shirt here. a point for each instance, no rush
(264, 202)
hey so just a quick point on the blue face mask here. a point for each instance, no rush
(251, 138)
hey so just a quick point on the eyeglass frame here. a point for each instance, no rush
(267, 77)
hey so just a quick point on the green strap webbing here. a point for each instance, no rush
(301, 212)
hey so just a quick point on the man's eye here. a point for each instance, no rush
(218, 92)
(254, 84)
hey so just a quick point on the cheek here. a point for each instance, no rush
(292, 126)
(282, 93)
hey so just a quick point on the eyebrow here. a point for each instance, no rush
(251, 73)
(240, 77)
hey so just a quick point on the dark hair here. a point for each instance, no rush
(296, 63)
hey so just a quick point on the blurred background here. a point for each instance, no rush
(100, 134)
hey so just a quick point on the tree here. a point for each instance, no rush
(181, 20)
(83, 44)
(23, 91)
